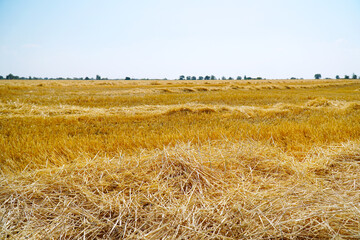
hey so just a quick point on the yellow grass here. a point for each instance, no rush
(180, 159)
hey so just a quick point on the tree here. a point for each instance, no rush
(238, 78)
(346, 77)
(98, 77)
(10, 76)
(87, 78)
(1, 77)
(127, 78)
(337, 77)
(317, 76)
(188, 78)
(223, 78)
(193, 78)
(354, 76)
(207, 77)
(212, 77)
(182, 77)
(201, 78)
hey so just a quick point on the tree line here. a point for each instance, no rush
(354, 76)
(212, 77)
(14, 77)
(182, 77)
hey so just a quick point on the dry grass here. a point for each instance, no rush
(153, 160)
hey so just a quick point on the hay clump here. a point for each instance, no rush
(318, 102)
(352, 106)
(191, 108)
(188, 90)
(165, 90)
(179, 110)
(202, 89)
(215, 190)
(205, 110)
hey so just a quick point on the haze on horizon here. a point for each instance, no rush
(166, 39)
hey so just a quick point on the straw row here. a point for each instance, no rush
(218, 190)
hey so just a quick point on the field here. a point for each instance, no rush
(239, 159)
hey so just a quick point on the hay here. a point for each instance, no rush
(145, 160)
(188, 90)
(20, 109)
(217, 190)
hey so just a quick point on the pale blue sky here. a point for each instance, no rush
(168, 38)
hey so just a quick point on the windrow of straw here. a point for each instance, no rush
(216, 190)
(18, 109)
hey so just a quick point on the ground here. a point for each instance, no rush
(180, 159)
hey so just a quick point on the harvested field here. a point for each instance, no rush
(260, 159)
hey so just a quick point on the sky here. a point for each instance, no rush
(168, 38)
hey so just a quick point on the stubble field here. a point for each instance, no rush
(150, 159)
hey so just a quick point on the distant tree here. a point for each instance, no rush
(245, 77)
(293, 78)
(188, 78)
(182, 77)
(127, 78)
(87, 78)
(212, 77)
(337, 77)
(201, 78)
(259, 78)
(207, 77)
(1, 77)
(354, 76)
(223, 78)
(317, 76)
(238, 78)
(98, 77)
(347, 77)
(10, 76)
(193, 78)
